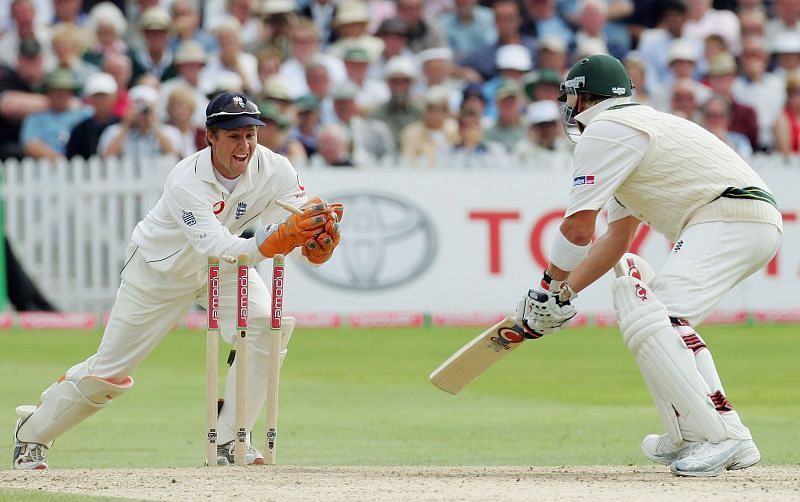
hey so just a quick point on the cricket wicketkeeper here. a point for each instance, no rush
(655, 168)
(209, 199)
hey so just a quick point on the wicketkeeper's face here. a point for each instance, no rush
(232, 149)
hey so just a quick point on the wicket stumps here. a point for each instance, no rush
(212, 358)
(274, 366)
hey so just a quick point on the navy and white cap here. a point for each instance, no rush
(230, 110)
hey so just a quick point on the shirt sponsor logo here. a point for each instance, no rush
(241, 208)
(219, 207)
(188, 218)
(583, 180)
(618, 90)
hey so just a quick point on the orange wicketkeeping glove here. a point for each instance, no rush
(295, 231)
(318, 250)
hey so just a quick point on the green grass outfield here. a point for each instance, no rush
(362, 397)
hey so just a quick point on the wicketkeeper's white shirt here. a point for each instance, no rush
(197, 216)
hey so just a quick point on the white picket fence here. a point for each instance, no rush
(69, 223)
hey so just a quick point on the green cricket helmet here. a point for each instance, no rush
(601, 75)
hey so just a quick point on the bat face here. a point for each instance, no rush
(478, 355)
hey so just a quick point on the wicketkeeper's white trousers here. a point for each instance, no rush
(149, 304)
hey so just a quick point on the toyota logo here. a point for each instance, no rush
(386, 242)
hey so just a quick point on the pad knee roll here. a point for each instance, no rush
(64, 405)
(667, 364)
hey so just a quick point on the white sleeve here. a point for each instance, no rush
(616, 211)
(288, 188)
(605, 155)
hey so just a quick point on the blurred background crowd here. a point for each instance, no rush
(368, 82)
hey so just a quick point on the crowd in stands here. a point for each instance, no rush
(365, 82)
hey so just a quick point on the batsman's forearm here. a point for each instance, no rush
(605, 252)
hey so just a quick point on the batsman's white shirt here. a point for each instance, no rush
(670, 173)
(197, 216)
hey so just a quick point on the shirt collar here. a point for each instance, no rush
(588, 115)
(205, 169)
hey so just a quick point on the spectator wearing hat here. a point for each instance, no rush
(541, 19)
(682, 59)
(140, 135)
(544, 146)
(319, 86)
(553, 54)
(472, 150)
(100, 93)
(787, 127)
(512, 62)
(23, 28)
(437, 71)
(332, 148)
(592, 22)
(370, 139)
(541, 85)
(429, 141)
(190, 61)
(702, 20)
(763, 91)
(304, 48)
(716, 117)
(655, 43)
(107, 26)
(720, 76)
(423, 32)
(481, 64)
(753, 22)
(181, 110)
(20, 95)
(371, 92)
(45, 134)
(276, 91)
(350, 23)
(508, 129)
(186, 28)
(785, 18)
(474, 100)
(786, 54)
(68, 50)
(154, 57)
(400, 110)
(393, 32)
(684, 101)
(468, 27)
(306, 127)
(231, 59)
(279, 19)
(275, 134)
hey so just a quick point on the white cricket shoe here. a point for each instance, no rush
(28, 456)
(660, 449)
(712, 459)
(225, 453)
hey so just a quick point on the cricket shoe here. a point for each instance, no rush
(225, 453)
(660, 449)
(28, 456)
(712, 459)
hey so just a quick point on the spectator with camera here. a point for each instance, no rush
(140, 135)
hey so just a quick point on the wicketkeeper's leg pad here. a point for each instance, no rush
(64, 405)
(667, 365)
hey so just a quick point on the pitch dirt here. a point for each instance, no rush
(617, 483)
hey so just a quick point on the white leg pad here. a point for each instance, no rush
(669, 368)
(64, 405)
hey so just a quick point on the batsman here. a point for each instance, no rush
(209, 199)
(649, 167)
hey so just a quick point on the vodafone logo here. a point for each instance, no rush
(219, 207)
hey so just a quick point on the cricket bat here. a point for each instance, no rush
(478, 355)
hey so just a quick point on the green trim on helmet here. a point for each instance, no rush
(598, 74)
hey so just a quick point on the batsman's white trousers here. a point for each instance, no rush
(149, 304)
(708, 260)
